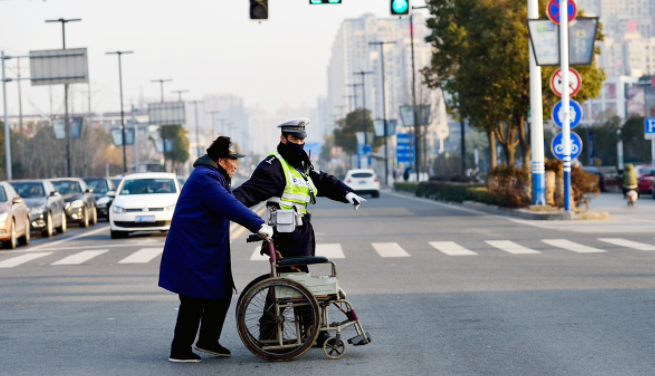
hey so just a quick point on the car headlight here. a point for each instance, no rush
(170, 208)
(118, 209)
(3, 217)
(102, 202)
(75, 204)
(37, 210)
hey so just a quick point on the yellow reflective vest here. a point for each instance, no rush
(298, 188)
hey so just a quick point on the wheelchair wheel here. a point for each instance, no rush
(248, 286)
(278, 319)
(334, 348)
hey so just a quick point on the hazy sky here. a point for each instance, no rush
(204, 46)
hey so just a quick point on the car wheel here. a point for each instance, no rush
(375, 194)
(85, 218)
(11, 243)
(47, 233)
(94, 216)
(118, 234)
(64, 224)
(25, 239)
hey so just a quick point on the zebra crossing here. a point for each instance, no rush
(335, 251)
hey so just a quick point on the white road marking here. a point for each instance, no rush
(390, 250)
(142, 256)
(15, 261)
(628, 244)
(452, 249)
(79, 257)
(571, 246)
(331, 251)
(511, 247)
(48, 244)
(256, 256)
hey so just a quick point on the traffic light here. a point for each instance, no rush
(399, 7)
(314, 2)
(258, 9)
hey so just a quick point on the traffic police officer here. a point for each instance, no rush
(196, 260)
(288, 178)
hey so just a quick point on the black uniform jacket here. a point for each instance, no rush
(268, 181)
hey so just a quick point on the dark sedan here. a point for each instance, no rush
(80, 202)
(45, 203)
(100, 188)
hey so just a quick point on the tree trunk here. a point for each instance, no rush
(526, 150)
(493, 157)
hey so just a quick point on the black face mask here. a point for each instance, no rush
(295, 149)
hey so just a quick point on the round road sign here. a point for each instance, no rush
(575, 82)
(557, 146)
(574, 108)
(553, 12)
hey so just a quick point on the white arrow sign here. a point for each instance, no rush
(575, 82)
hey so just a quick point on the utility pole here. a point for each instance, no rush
(354, 86)
(20, 116)
(417, 127)
(66, 122)
(363, 74)
(463, 146)
(4, 99)
(136, 140)
(120, 80)
(195, 105)
(349, 102)
(179, 94)
(161, 85)
(384, 110)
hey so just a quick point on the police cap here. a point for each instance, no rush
(295, 127)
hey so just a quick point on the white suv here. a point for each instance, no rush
(143, 202)
(363, 182)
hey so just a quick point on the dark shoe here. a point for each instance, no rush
(215, 349)
(189, 357)
(320, 340)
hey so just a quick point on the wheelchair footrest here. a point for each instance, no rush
(360, 340)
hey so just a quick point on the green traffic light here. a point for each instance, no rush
(400, 6)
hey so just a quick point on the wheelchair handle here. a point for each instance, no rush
(253, 238)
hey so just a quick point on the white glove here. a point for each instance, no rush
(266, 232)
(354, 199)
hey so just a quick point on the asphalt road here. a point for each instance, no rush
(442, 290)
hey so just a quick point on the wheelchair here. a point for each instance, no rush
(280, 315)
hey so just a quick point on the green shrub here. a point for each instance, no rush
(445, 191)
(481, 194)
(509, 186)
(410, 187)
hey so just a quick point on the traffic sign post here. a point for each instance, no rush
(536, 105)
(575, 82)
(557, 146)
(556, 9)
(649, 134)
(564, 18)
(558, 114)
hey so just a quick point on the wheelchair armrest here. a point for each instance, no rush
(303, 261)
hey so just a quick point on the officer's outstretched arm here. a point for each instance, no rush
(267, 181)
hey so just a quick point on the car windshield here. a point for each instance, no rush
(98, 185)
(647, 171)
(116, 182)
(147, 186)
(362, 175)
(67, 186)
(3, 195)
(29, 190)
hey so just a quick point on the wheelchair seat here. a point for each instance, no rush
(302, 261)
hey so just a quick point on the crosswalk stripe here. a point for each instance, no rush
(390, 250)
(628, 244)
(452, 249)
(511, 247)
(571, 246)
(142, 256)
(257, 257)
(79, 257)
(331, 251)
(15, 261)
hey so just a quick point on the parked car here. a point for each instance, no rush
(14, 218)
(646, 176)
(45, 203)
(80, 204)
(143, 202)
(100, 188)
(116, 180)
(181, 179)
(363, 182)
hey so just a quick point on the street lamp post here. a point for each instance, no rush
(349, 103)
(417, 127)
(363, 74)
(213, 113)
(195, 105)
(120, 80)
(384, 109)
(161, 86)
(179, 94)
(66, 122)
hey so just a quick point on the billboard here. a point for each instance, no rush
(167, 113)
(57, 67)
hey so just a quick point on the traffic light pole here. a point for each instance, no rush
(384, 111)
(417, 127)
(120, 81)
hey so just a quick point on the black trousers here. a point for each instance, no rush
(209, 314)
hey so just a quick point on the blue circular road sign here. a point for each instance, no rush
(574, 108)
(557, 146)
